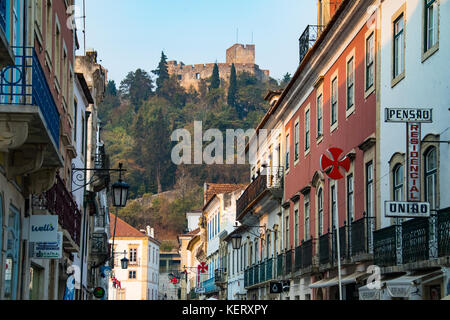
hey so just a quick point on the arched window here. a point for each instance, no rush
(320, 210)
(398, 183)
(430, 176)
(12, 254)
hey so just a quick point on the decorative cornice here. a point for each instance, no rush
(305, 190)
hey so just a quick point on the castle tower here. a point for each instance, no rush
(239, 53)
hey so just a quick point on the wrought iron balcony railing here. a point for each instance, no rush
(270, 178)
(220, 275)
(342, 244)
(288, 265)
(262, 271)
(307, 253)
(443, 230)
(269, 269)
(58, 201)
(256, 274)
(25, 84)
(325, 248)
(3, 13)
(415, 240)
(210, 285)
(308, 38)
(385, 249)
(280, 264)
(361, 235)
(298, 258)
(246, 277)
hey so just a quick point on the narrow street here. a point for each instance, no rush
(237, 152)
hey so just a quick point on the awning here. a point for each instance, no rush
(402, 287)
(347, 279)
(323, 283)
(366, 293)
(354, 277)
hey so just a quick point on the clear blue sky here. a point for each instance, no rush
(130, 34)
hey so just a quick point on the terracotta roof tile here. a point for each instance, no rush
(213, 189)
(123, 229)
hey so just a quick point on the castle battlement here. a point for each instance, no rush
(243, 57)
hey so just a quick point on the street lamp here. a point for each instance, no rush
(120, 191)
(236, 241)
(124, 263)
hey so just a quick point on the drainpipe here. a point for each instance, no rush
(88, 113)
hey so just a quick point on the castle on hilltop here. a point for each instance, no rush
(243, 57)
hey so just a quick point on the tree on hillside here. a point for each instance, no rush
(162, 72)
(232, 90)
(152, 135)
(111, 88)
(174, 92)
(286, 78)
(137, 87)
(215, 78)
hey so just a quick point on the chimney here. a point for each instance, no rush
(152, 233)
(149, 231)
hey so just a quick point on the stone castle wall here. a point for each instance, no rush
(242, 56)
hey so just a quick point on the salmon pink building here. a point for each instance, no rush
(331, 103)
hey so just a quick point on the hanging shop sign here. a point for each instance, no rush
(48, 250)
(409, 115)
(276, 287)
(399, 209)
(99, 292)
(200, 290)
(43, 228)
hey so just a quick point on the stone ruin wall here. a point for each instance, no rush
(243, 57)
(190, 75)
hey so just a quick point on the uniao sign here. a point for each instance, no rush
(43, 228)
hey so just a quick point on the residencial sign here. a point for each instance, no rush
(397, 209)
(413, 162)
(43, 228)
(48, 250)
(409, 115)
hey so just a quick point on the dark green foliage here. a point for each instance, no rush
(138, 128)
(161, 72)
(136, 87)
(215, 78)
(232, 89)
(286, 78)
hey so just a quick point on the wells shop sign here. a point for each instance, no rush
(43, 228)
(48, 250)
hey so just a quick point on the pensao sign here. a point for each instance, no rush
(409, 115)
(413, 118)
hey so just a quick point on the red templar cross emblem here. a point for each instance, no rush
(203, 267)
(334, 163)
(174, 280)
